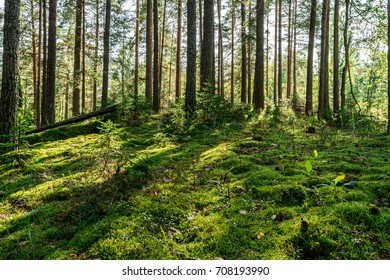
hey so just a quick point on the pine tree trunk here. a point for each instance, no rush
(44, 61)
(77, 61)
(49, 116)
(136, 66)
(162, 45)
(156, 89)
(149, 51)
(39, 63)
(232, 56)
(388, 66)
(207, 60)
(83, 90)
(295, 91)
(346, 55)
(96, 58)
(178, 51)
(190, 99)
(250, 53)
(243, 53)
(34, 65)
(289, 51)
(276, 54)
(336, 95)
(9, 85)
(106, 54)
(258, 85)
(323, 87)
(220, 54)
(310, 60)
(280, 62)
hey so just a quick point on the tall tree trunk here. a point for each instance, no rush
(149, 51)
(200, 30)
(39, 63)
(162, 44)
(280, 62)
(276, 53)
(9, 85)
(49, 116)
(267, 55)
(44, 60)
(289, 50)
(295, 92)
(346, 55)
(388, 66)
(326, 85)
(66, 116)
(336, 95)
(136, 65)
(83, 91)
(258, 85)
(207, 60)
(156, 89)
(96, 58)
(243, 53)
(77, 61)
(250, 52)
(232, 56)
(34, 65)
(190, 99)
(323, 62)
(310, 60)
(106, 54)
(178, 51)
(220, 53)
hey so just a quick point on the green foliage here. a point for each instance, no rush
(136, 192)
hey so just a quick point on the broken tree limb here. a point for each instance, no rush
(75, 119)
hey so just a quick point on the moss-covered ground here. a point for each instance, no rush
(246, 190)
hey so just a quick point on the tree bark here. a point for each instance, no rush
(79, 118)
(178, 51)
(9, 85)
(34, 65)
(106, 54)
(280, 62)
(44, 60)
(388, 66)
(49, 116)
(220, 53)
(250, 99)
(83, 90)
(149, 51)
(156, 89)
(295, 92)
(207, 60)
(190, 99)
(39, 63)
(136, 66)
(336, 95)
(76, 60)
(310, 60)
(346, 55)
(258, 88)
(96, 58)
(289, 51)
(243, 53)
(276, 54)
(232, 56)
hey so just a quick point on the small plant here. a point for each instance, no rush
(109, 134)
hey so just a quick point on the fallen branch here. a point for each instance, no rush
(75, 119)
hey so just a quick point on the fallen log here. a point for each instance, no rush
(75, 119)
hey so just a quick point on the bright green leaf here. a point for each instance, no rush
(339, 178)
(315, 154)
(309, 167)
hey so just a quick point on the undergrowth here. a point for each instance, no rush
(227, 186)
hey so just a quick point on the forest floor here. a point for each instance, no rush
(245, 190)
